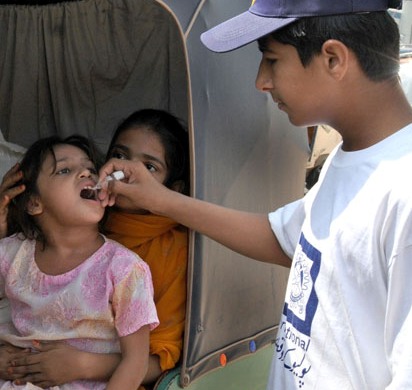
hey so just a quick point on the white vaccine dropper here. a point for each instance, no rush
(91, 192)
(116, 175)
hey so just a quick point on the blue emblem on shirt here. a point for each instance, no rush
(301, 303)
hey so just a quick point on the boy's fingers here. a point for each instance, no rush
(128, 167)
(108, 168)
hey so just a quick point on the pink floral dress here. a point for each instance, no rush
(109, 295)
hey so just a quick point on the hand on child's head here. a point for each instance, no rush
(8, 185)
(9, 189)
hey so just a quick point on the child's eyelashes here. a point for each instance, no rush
(151, 167)
(63, 171)
(123, 156)
(119, 155)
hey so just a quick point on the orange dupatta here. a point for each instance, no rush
(162, 244)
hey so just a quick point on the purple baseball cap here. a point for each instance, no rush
(266, 16)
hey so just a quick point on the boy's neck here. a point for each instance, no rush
(372, 113)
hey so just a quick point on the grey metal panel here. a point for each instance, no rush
(246, 156)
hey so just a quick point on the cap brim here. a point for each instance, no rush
(241, 30)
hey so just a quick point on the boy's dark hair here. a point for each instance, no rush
(372, 36)
(19, 221)
(173, 136)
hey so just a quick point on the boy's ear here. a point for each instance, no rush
(336, 56)
(178, 186)
(34, 206)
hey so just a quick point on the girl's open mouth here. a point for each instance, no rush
(88, 193)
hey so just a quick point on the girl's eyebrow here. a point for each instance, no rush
(62, 159)
(66, 159)
(153, 158)
(120, 146)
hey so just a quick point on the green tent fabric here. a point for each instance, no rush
(65, 65)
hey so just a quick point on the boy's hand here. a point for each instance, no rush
(8, 191)
(139, 191)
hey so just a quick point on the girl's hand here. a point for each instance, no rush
(7, 354)
(132, 369)
(53, 364)
(8, 191)
(56, 362)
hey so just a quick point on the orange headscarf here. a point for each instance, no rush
(162, 244)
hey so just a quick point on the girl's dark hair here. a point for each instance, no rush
(372, 36)
(173, 136)
(19, 221)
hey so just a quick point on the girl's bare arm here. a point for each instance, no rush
(133, 366)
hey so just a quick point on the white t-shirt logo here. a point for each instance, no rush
(293, 339)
